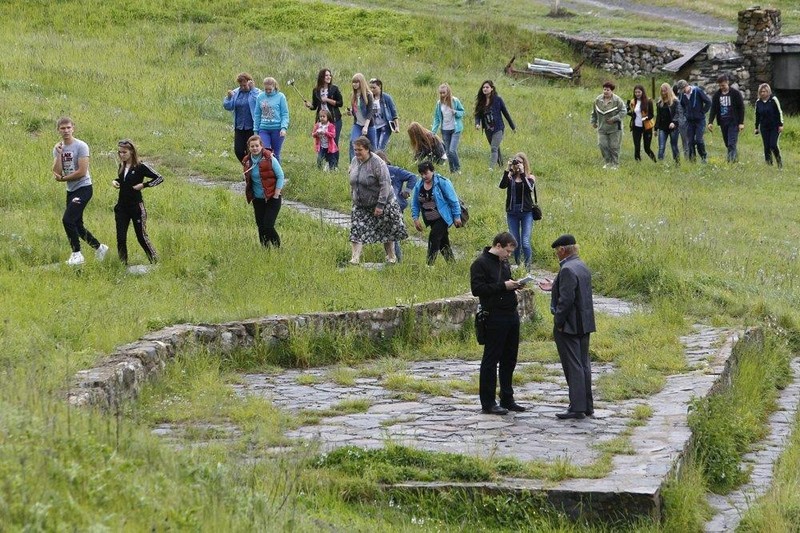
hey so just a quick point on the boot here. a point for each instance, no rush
(779, 160)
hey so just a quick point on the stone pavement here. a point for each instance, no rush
(731, 507)
(454, 423)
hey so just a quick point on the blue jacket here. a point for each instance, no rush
(229, 103)
(493, 121)
(388, 109)
(695, 105)
(459, 112)
(278, 118)
(443, 194)
(400, 177)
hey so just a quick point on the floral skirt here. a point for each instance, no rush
(366, 228)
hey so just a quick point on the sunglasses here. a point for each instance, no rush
(125, 142)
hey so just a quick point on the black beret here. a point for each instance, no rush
(564, 240)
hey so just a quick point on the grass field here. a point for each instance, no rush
(713, 242)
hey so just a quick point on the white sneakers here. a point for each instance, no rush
(76, 258)
(101, 252)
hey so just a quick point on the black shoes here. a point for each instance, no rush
(513, 407)
(495, 410)
(577, 415)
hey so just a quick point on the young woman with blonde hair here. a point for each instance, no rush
(669, 114)
(520, 184)
(361, 109)
(449, 114)
(769, 122)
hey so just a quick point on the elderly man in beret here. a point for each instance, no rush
(573, 318)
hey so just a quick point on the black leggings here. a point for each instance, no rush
(638, 133)
(124, 215)
(73, 219)
(266, 212)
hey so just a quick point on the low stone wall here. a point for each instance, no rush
(622, 57)
(122, 374)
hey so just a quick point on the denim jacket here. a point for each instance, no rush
(229, 103)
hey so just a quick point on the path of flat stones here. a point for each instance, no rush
(454, 423)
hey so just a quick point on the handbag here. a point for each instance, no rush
(480, 325)
(537, 211)
(649, 123)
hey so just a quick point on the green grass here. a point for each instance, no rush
(707, 242)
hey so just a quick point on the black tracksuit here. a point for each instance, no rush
(130, 208)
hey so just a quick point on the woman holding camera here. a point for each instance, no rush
(519, 183)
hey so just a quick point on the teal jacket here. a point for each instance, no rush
(459, 111)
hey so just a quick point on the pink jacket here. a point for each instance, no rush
(330, 134)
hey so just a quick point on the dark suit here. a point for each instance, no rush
(573, 319)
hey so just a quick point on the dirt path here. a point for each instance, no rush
(684, 17)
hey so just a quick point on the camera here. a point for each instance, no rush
(516, 162)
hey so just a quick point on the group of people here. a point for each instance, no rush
(261, 120)
(374, 113)
(680, 113)
(71, 166)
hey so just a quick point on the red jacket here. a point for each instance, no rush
(330, 134)
(268, 178)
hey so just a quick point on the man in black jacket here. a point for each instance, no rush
(727, 106)
(573, 320)
(490, 279)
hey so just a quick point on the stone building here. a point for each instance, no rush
(759, 55)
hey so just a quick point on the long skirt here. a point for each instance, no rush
(366, 228)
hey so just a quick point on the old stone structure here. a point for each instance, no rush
(122, 374)
(756, 28)
(623, 57)
(747, 61)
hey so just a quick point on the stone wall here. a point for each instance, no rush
(756, 27)
(716, 59)
(122, 374)
(622, 57)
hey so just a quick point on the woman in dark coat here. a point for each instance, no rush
(769, 122)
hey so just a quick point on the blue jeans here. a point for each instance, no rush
(382, 134)
(694, 132)
(520, 225)
(673, 141)
(272, 139)
(355, 133)
(730, 136)
(451, 139)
